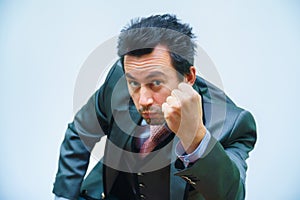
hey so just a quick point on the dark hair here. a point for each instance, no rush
(142, 35)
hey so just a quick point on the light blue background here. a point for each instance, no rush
(254, 44)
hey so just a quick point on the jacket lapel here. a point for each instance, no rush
(125, 122)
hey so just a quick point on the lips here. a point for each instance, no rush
(151, 112)
(152, 115)
(149, 115)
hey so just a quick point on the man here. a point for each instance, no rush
(170, 134)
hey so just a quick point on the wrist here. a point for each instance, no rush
(192, 144)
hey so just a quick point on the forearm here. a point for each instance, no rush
(73, 163)
(79, 140)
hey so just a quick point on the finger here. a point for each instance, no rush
(186, 88)
(189, 91)
(173, 101)
(166, 110)
(164, 107)
(178, 94)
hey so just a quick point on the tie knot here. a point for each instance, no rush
(157, 135)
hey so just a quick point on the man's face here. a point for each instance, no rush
(150, 79)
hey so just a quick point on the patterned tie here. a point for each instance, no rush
(158, 133)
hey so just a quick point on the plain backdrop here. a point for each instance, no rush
(254, 44)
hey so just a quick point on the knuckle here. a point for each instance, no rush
(173, 93)
(176, 105)
(168, 99)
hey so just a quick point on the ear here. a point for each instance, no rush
(191, 77)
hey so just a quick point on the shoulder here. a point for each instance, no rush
(211, 92)
(221, 114)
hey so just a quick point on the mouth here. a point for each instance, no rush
(153, 118)
(150, 115)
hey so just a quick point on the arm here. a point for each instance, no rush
(80, 138)
(89, 125)
(221, 172)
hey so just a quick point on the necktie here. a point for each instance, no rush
(158, 133)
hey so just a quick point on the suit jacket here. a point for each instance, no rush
(219, 174)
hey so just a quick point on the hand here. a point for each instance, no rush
(183, 114)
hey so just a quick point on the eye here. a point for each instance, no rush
(156, 83)
(134, 84)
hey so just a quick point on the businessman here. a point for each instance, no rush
(170, 133)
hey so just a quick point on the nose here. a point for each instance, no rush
(145, 96)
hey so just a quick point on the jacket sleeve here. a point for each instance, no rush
(89, 125)
(80, 137)
(221, 173)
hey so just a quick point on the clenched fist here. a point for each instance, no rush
(183, 114)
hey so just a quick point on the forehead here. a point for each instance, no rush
(159, 58)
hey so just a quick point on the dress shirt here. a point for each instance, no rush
(196, 154)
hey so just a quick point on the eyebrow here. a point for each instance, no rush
(149, 76)
(128, 75)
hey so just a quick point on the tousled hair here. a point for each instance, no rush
(142, 35)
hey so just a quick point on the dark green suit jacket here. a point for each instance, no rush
(219, 174)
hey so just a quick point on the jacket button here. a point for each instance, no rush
(141, 185)
(143, 196)
(140, 174)
(102, 195)
(84, 192)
